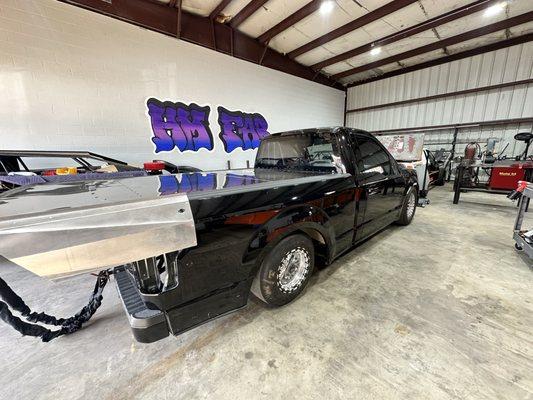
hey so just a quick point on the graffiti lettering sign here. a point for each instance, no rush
(179, 125)
(238, 129)
(186, 127)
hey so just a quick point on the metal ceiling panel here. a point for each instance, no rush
(370, 73)
(318, 24)
(518, 7)
(489, 33)
(200, 7)
(409, 31)
(320, 53)
(480, 41)
(405, 17)
(521, 29)
(432, 8)
(269, 15)
(422, 58)
(366, 34)
(492, 38)
(479, 19)
(412, 15)
(336, 68)
(234, 7)
(394, 48)
(458, 48)
(356, 23)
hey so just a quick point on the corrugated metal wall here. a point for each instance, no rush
(502, 66)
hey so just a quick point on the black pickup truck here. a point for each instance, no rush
(190, 247)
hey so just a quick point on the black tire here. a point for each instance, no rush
(441, 179)
(518, 247)
(272, 285)
(407, 214)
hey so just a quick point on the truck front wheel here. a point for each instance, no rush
(285, 271)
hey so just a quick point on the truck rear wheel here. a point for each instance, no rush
(285, 271)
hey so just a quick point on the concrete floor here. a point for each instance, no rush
(441, 309)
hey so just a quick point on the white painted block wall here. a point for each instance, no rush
(506, 65)
(71, 79)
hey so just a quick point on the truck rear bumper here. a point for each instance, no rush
(150, 325)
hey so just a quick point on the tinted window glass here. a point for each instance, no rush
(373, 161)
(308, 152)
(9, 164)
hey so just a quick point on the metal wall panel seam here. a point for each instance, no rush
(498, 95)
(456, 99)
(486, 97)
(515, 77)
(469, 67)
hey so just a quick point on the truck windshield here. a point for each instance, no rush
(305, 152)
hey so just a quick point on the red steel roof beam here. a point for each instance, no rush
(372, 16)
(246, 12)
(434, 22)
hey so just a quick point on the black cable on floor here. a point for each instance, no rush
(68, 325)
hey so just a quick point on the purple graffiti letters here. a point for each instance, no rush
(179, 125)
(238, 129)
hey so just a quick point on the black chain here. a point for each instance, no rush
(68, 325)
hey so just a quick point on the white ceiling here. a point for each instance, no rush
(344, 11)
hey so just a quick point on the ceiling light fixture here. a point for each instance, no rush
(327, 6)
(495, 9)
(375, 51)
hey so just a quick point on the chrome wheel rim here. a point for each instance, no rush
(293, 269)
(411, 205)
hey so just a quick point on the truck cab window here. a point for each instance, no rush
(373, 162)
(305, 152)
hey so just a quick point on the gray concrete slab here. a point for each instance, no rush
(441, 309)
